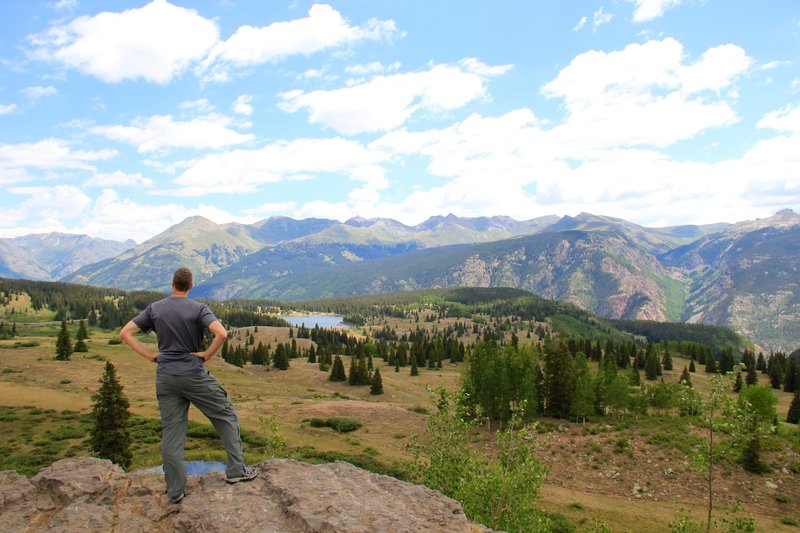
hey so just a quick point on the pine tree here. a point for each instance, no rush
(761, 363)
(666, 361)
(110, 436)
(14, 329)
(80, 343)
(651, 368)
(376, 387)
(726, 361)
(692, 367)
(737, 385)
(793, 416)
(686, 378)
(281, 358)
(337, 370)
(775, 375)
(790, 377)
(414, 368)
(711, 365)
(63, 343)
(83, 333)
(752, 376)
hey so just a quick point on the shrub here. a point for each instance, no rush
(114, 341)
(781, 497)
(789, 521)
(342, 425)
(345, 425)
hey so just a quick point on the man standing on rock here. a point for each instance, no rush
(181, 379)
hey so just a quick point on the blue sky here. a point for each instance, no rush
(121, 123)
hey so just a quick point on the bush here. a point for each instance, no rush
(345, 425)
(342, 425)
(114, 341)
(781, 497)
(789, 521)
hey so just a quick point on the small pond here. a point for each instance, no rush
(323, 321)
(194, 468)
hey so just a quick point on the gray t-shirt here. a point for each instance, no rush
(179, 323)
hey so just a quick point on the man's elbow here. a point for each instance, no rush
(222, 333)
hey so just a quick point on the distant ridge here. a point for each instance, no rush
(741, 275)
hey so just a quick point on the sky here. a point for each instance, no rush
(120, 119)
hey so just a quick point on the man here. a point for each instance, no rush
(182, 379)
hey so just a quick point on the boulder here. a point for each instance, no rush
(288, 496)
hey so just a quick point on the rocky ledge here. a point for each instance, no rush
(289, 496)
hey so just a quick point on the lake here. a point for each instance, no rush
(194, 468)
(323, 321)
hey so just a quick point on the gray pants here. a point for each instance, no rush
(204, 391)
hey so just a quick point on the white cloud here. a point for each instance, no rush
(651, 9)
(9, 176)
(645, 94)
(601, 17)
(66, 4)
(119, 179)
(376, 67)
(39, 92)
(581, 23)
(50, 153)
(59, 201)
(201, 105)
(323, 28)
(113, 217)
(386, 102)
(6, 109)
(242, 105)
(155, 42)
(163, 132)
(785, 119)
(243, 171)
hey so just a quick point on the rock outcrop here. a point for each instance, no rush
(94, 495)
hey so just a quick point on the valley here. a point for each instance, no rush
(628, 471)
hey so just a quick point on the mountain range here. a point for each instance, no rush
(742, 275)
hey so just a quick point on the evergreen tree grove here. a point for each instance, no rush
(110, 436)
(337, 370)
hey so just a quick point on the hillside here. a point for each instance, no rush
(197, 243)
(52, 256)
(747, 277)
(600, 271)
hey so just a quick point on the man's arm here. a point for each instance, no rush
(220, 335)
(127, 335)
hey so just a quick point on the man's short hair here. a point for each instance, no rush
(182, 279)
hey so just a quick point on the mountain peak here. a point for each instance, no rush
(196, 220)
(357, 221)
(784, 218)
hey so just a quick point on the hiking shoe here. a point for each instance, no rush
(247, 474)
(179, 499)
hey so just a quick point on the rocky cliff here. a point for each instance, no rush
(289, 496)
